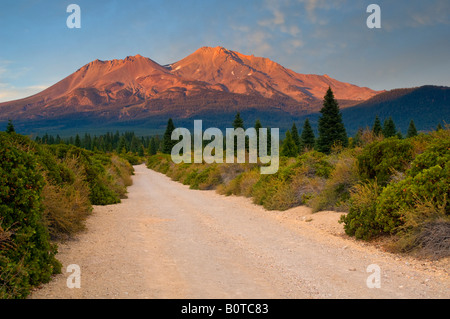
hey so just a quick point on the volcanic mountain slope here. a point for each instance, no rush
(245, 74)
(209, 80)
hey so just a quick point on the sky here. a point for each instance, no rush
(412, 47)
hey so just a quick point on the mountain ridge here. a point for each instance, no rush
(210, 79)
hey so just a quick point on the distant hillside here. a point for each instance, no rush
(426, 105)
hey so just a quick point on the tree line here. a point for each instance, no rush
(331, 133)
(109, 142)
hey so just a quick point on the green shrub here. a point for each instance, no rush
(66, 206)
(30, 257)
(437, 152)
(247, 181)
(208, 179)
(380, 159)
(360, 221)
(46, 192)
(281, 196)
(97, 169)
(404, 206)
(316, 164)
(336, 193)
(432, 184)
(132, 158)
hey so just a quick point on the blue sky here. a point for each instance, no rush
(308, 36)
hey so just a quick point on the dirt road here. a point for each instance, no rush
(166, 241)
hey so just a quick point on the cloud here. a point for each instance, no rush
(282, 19)
(416, 14)
(9, 75)
(311, 6)
(432, 15)
(9, 92)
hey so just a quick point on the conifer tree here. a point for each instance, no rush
(308, 139)
(389, 128)
(331, 127)
(439, 127)
(357, 140)
(10, 127)
(258, 125)
(168, 144)
(122, 146)
(296, 137)
(152, 147)
(412, 131)
(141, 151)
(77, 141)
(134, 145)
(377, 129)
(238, 121)
(288, 148)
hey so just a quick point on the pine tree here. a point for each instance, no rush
(258, 125)
(10, 127)
(168, 144)
(439, 127)
(296, 137)
(86, 141)
(389, 128)
(95, 144)
(357, 140)
(122, 146)
(134, 145)
(412, 131)
(238, 121)
(141, 150)
(288, 148)
(308, 138)
(331, 128)
(77, 141)
(377, 129)
(153, 148)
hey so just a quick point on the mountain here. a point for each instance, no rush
(252, 75)
(208, 83)
(426, 105)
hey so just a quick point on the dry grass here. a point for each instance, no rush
(426, 231)
(336, 192)
(66, 207)
(5, 237)
(119, 176)
(434, 239)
